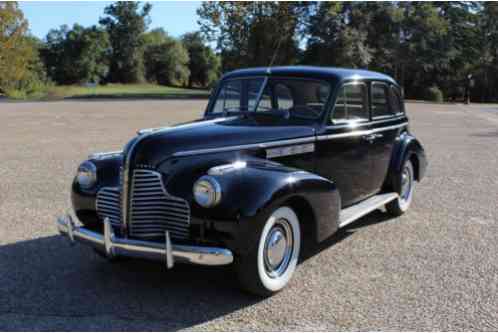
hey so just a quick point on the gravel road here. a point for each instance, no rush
(435, 268)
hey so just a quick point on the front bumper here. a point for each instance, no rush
(167, 252)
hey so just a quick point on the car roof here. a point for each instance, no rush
(340, 74)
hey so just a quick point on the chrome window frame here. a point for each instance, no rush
(387, 88)
(349, 123)
(398, 92)
(212, 103)
(214, 97)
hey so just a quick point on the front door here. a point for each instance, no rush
(343, 147)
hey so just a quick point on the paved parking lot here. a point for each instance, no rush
(435, 268)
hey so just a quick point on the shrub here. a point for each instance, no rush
(434, 94)
(34, 92)
(30, 88)
(16, 94)
(166, 59)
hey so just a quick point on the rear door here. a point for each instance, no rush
(388, 120)
(342, 152)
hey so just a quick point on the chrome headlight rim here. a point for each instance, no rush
(86, 176)
(207, 192)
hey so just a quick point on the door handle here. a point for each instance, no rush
(372, 137)
(369, 137)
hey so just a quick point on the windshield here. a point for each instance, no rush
(298, 98)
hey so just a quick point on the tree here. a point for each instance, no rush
(410, 41)
(125, 23)
(427, 46)
(382, 22)
(166, 59)
(336, 38)
(204, 64)
(78, 55)
(486, 68)
(253, 33)
(19, 62)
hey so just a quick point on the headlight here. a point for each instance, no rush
(87, 175)
(207, 191)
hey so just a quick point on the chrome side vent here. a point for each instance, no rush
(153, 210)
(109, 205)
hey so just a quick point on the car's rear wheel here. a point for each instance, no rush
(268, 268)
(404, 186)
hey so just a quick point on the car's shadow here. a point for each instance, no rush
(375, 217)
(48, 277)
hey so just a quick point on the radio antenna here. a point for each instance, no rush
(274, 57)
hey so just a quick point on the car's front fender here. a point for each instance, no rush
(84, 200)
(250, 194)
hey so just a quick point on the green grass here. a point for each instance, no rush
(124, 91)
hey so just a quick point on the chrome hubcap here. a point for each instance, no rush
(406, 183)
(278, 248)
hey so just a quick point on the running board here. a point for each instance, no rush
(354, 212)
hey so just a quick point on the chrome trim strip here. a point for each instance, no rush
(360, 133)
(283, 142)
(220, 170)
(361, 123)
(290, 150)
(383, 117)
(354, 212)
(151, 130)
(242, 147)
(167, 252)
(104, 155)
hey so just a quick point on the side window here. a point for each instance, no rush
(284, 96)
(396, 100)
(265, 101)
(253, 90)
(351, 104)
(229, 97)
(380, 100)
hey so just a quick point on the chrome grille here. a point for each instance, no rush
(109, 205)
(153, 210)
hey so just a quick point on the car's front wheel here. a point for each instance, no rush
(404, 186)
(268, 268)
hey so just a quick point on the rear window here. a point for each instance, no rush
(396, 100)
(380, 100)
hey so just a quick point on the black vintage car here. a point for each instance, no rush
(281, 154)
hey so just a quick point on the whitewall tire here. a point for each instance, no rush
(404, 186)
(272, 263)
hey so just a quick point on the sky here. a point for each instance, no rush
(176, 17)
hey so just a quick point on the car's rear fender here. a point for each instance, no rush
(406, 147)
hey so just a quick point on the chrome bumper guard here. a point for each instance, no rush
(167, 252)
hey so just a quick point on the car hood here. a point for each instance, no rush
(154, 146)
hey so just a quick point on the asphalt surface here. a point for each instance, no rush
(435, 268)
